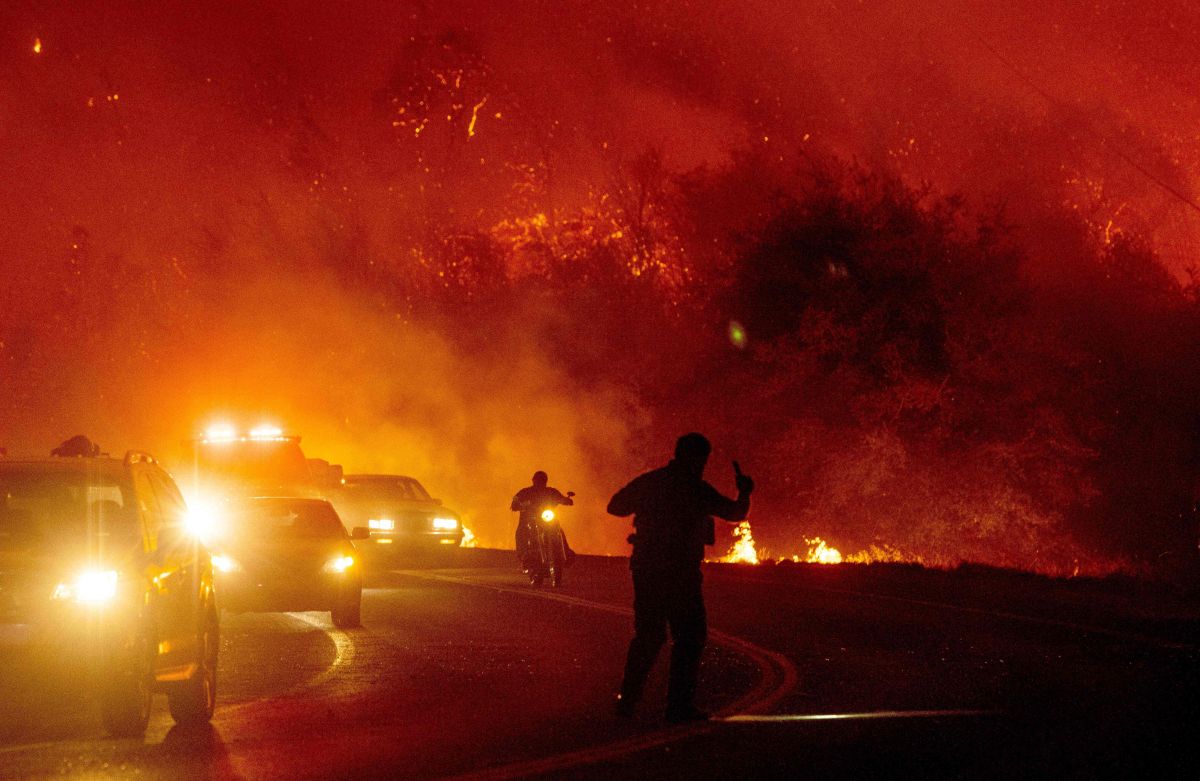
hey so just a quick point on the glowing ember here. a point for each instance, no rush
(742, 551)
(474, 117)
(37, 45)
(468, 539)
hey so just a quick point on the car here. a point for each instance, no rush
(283, 554)
(398, 512)
(97, 573)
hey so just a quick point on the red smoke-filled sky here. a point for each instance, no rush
(193, 105)
(169, 134)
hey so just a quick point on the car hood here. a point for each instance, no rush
(356, 513)
(253, 553)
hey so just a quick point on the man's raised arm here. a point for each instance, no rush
(731, 509)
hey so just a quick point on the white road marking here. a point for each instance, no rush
(344, 650)
(343, 655)
(777, 680)
(752, 718)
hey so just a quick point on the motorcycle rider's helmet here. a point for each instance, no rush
(540, 479)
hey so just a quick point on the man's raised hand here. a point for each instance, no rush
(744, 484)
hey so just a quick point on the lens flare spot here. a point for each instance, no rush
(737, 334)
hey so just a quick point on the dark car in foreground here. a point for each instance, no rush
(398, 512)
(288, 554)
(98, 576)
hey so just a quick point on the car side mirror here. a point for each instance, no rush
(360, 533)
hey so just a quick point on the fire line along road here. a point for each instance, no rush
(813, 671)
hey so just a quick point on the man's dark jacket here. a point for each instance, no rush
(673, 513)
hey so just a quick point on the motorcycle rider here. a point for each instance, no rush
(530, 501)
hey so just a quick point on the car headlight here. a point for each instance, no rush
(223, 563)
(339, 564)
(381, 524)
(91, 587)
(547, 515)
(445, 524)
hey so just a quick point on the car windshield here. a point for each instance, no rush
(45, 502)
(272, 462)
(292, 518)
(395, 489)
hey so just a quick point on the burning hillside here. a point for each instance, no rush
(467, 244)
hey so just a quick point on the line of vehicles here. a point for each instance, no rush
(102, 560)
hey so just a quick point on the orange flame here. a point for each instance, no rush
(468, 539)
(742, 550)
(820, 553)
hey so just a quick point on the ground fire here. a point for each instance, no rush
(744, 551)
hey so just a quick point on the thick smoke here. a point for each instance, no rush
(368, 389)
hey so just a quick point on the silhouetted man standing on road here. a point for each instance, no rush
(673, 509)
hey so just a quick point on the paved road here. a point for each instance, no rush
(466, 671)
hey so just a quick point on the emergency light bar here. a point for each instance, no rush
(223, 432)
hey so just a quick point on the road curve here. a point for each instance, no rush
(464, 671)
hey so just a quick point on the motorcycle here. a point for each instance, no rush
(549, 553)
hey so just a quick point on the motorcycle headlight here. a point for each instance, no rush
(338, 565)
(445, 524)
(91, 587)
(547, 515)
